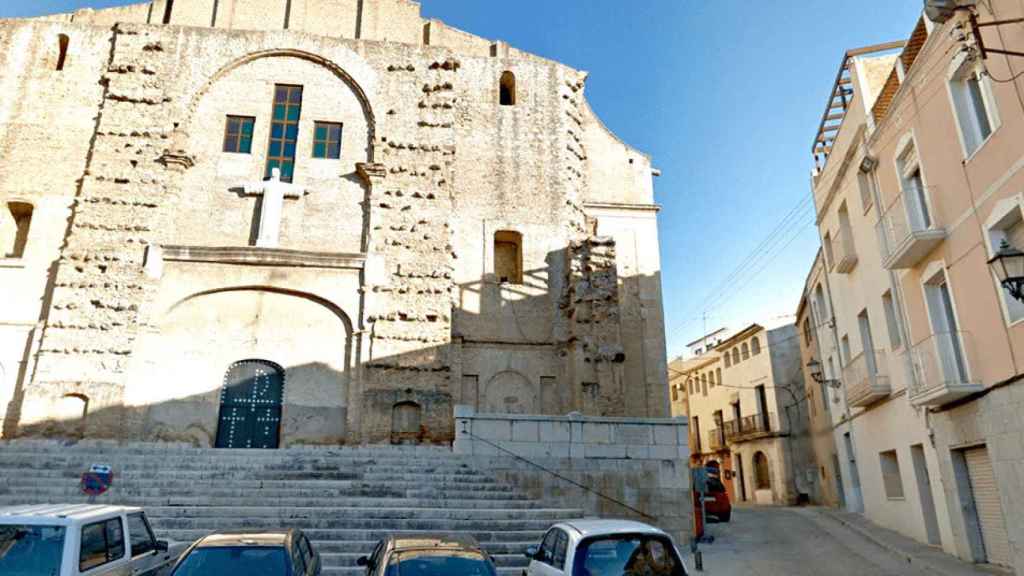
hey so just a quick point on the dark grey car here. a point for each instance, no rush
(428, 555)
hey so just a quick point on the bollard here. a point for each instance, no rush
(698, 561)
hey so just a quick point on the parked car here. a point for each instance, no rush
(428, 555)
(595, 547)
(716, 501)
(252, 553)
(74, 539)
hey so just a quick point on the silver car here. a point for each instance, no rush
(596, 547)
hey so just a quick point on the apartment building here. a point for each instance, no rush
(748, 415)
(918, 187)
(820, 390)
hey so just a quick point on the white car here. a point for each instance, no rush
(80, 540)
(605, 548)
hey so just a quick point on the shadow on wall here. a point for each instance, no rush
(570, 314)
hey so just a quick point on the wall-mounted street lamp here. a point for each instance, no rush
(819, 376)
(1008, 264)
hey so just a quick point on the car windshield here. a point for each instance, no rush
(439, 563)
(627, 555)
(31, 550)
(248, 560)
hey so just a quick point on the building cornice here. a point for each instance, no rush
(257, 256)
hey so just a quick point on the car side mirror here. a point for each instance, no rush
(531, 552)
(363, 561)
(161, 546)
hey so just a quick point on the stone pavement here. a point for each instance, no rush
(775, 541)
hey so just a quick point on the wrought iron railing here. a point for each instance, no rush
(751, 426)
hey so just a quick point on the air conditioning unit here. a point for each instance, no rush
(939, 11)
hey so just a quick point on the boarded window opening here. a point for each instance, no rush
(15, 228)
(507, 89)
(168, 8)
(406, 418)
(62, 55)
(762, 477)
(508, 257)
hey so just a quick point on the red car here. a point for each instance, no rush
(717, 506)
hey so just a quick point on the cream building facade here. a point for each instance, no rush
(927, 163)
(273, 223)
(747, 415)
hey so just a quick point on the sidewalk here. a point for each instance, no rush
(921, 556)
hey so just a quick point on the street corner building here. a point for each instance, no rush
(266, 223)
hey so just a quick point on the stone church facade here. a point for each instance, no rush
(282, 222)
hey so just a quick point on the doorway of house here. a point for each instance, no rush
(250, 405)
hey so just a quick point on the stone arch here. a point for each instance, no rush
(337, 70)
(181, 365)
(510, 392)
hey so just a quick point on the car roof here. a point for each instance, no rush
(602, 527)
(61, 513)
(433, 540)
(246, 538)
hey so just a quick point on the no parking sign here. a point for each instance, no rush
(97, 480)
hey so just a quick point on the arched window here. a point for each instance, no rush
(14, 229)
(62, 50)
(406, 418)
(746, 351)
(507, 89)
(675, 393)
(718, 376)
(508, 257)
(755, 345)
(728, 359)
(711, 379)
(762, 476)
(735, 355)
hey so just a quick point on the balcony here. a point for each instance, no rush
(942, 369)
(866, 378)
(751, 427)
(844, 253)
(909, 229)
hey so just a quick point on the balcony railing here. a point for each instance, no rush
(751, 427)
(910, 228)
(844, 252)
(866, 378)
(942, 369)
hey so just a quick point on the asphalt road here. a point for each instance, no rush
(774, 541)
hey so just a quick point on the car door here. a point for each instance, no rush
(102, 549)
(147, 559)
(312, 557)
(549, 560)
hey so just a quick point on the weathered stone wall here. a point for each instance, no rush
(385, 275)
(631, 467)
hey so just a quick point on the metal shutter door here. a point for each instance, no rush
(986, 501)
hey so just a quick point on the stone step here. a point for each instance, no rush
(217, 524)
(253, 479)
(38, 446)
(338, 512)
(361, 571)
(484, 536)
(82, 462)
(359, 502)
(371, 490)
(364, 548)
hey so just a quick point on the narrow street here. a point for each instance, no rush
(773, 541)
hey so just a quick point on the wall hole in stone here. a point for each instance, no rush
(507, 89)
(762, 477)
(14, 228)
(62, 50)
(508, 257)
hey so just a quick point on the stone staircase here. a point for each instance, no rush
(344, 498)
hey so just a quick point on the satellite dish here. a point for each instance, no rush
(939, 11)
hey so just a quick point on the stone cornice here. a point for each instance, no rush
(622, 206)
(256, 256)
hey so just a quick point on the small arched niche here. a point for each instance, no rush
(507, 89)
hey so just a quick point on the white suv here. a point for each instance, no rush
(605, 548)
(80, 540)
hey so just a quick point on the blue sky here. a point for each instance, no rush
(725, 95)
